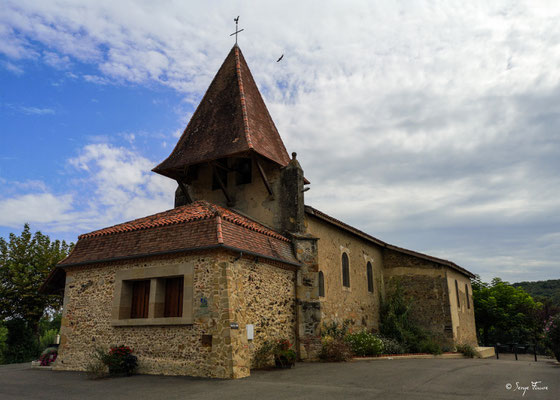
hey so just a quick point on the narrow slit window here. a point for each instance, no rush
(457, 292)
(321, 284)
(369, 270)
(173, 297)
(345, 270)
(467, 294)
(140, 299)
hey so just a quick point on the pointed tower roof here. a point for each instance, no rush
(231, 119)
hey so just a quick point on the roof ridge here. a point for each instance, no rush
(367, 236)
(242, 98)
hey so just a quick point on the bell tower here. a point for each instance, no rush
(231, 153)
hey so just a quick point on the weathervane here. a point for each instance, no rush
(236, 30)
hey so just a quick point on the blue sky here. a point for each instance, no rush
(430, 125)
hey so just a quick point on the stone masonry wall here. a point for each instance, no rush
(425, 282)
(462, 315)
(220, 289)
(263, 295)
(356, 302)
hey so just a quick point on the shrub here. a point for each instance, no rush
(118, 361)
(263, 355)
(552, 332)
(21, 344)
(467, 350)
(48, 356)
(48, 338)
(334, 349)
(430, 346)
(364, 344)
(284, 355)
(3, 338)
(391, 346)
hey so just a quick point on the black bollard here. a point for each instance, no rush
(497, 351)
(515, 349)
(535, 351)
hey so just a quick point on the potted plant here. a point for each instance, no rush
(284, 355)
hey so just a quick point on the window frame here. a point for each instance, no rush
(467, 294)
(369, 274)
(345, 269)
(122, 299)
(321, 284)
(457, 292)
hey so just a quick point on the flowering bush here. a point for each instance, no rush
(364, 344)
(391, 346)
(334, 349)
(552, 332)
(121, 361)
(284, 355)
(48, 356)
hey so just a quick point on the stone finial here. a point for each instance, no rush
(294, 155)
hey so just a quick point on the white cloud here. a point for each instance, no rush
(112, 185)
(405, 115)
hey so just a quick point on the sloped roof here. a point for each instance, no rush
(231, 119)
(200, 225)
(327, 218)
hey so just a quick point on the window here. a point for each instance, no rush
(243, 171)
(321, 284)
(173, 297)
(345, 270)
(467, 294)
(457, 292)
(369, 269)
(161, 295)
(140, 299)
(220, 171)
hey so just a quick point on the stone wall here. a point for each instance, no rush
(426, 283)
(225, 291)
(356, 302)
(251, 199)
(262, 295)
(462, 315)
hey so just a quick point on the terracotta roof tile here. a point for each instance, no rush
(199, 225)
(231, 118)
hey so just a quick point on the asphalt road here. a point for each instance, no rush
(380, 379)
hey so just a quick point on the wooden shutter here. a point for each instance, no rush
(140, 299)
(174, 297)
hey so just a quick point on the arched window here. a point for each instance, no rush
(345, 270)
(369, 269)
(321, 284)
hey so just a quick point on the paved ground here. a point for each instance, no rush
(381, 379)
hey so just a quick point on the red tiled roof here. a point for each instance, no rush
(321, 215)
(231, 119)
(200, 225)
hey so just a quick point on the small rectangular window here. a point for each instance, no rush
(140, 299)
(220, 174)
(467, 294)
(243, 171)
(457, 292)
(173, 297)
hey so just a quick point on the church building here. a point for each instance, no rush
(240, 259)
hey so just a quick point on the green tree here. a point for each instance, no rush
(504, 313)
(25, 263)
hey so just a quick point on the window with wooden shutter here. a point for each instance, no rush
(140, 299)
(174, 297)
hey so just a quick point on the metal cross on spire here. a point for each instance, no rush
(236, 30)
